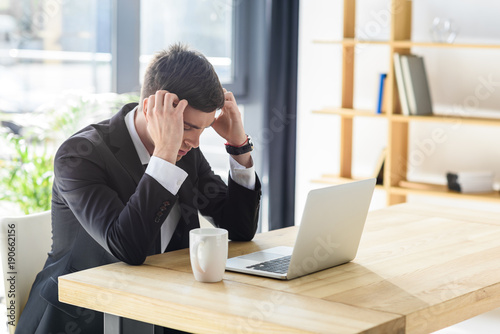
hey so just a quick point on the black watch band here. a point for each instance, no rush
(247, 147)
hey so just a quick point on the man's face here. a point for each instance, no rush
(195, 121)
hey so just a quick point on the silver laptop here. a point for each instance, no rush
(329, 234)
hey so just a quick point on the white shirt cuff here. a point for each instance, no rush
(168, 175)
(245, 177)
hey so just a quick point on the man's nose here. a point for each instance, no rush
(193, 139)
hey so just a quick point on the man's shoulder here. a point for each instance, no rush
(96, 135)
(84, 142)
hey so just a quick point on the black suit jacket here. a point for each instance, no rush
(106, 209)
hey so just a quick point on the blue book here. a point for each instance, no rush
(383, 76)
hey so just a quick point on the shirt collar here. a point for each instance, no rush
(142, 152)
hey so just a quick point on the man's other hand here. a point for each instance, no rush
(229, 124)
(230, 127)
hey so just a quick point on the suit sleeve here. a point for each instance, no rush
(232, 207)
(125, 227)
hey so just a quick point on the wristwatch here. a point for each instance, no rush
(246, 147)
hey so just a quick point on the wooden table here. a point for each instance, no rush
(418, 269)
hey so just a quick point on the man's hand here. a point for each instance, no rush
(165, 115)
(230, 127)
(229, 124)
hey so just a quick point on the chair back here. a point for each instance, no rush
(24, 244)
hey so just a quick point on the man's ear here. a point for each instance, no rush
(145, 106)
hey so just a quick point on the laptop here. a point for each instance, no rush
(329, 234)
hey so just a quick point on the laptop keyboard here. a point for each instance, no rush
(279, 265)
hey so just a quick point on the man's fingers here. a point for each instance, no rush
(159, 97)
(182, 105)
(170, 99)
(165, 101)
(151, 103)
(228, 96)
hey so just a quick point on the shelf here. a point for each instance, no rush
(446, 119)
(417, 188)
(347, 112)
(426, 189)
(410, 44)
(351, 113)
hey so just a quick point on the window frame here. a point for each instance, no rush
(238, 86)
(125, 49)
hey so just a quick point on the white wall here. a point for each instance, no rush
(455, 77)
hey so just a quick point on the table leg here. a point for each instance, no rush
(117, 325)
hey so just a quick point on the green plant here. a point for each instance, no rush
(26, 178)
(26, 164)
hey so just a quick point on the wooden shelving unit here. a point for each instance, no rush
(395, 169)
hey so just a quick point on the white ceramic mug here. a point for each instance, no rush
(208, 253)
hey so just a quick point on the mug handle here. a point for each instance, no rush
(194, 258)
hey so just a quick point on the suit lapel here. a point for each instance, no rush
(122, 144)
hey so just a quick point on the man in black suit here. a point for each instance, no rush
(108, 207)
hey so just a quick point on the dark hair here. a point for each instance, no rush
(186, 73)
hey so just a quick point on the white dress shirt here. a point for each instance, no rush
(172, 177)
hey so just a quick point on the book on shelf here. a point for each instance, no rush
(413, 86)
(381, 93)
(470, 182)
(416, 85)
(400, 83)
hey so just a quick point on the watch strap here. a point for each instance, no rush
(238, 150)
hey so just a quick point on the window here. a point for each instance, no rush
(49, 46)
